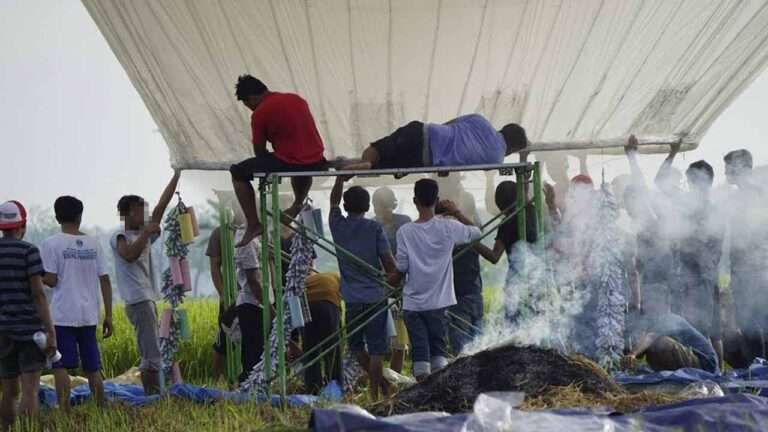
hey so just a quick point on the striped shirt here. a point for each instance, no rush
(19, 261)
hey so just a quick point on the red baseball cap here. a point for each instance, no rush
(13, 215)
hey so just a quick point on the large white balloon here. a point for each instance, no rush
(573, 72)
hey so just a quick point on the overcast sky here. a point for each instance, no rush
(72, 123)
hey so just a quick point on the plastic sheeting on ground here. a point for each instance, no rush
(133, 395)
(730, 413)
(755, 377)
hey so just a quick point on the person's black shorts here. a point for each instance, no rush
(18, 357)
(268, 163)
(404, 148)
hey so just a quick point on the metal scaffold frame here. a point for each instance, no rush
(272, 254)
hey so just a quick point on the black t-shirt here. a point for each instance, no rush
(466, 273)
(507, 232)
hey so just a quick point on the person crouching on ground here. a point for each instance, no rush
(76, 270)
(363, 293)
(132, 247)
(322, 333)
(668, 341)
(23, 312)
(425, 255)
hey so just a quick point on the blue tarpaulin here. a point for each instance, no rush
(737, 413)
(133, 395)
(756, 377)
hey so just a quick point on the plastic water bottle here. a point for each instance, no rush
(41, 339)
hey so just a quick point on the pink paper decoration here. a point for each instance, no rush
(176, 274)
(165, 323)
(186, 274)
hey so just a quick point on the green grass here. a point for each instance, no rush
(119, 352)
(169, 415)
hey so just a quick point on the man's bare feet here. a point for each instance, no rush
(251, 232)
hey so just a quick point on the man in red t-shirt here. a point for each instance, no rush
(284, 120)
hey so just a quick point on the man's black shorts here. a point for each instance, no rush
(268, 163)
(404, 148)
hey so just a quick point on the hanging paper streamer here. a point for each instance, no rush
(165, 323)
(186, 275)
(313, 219)
(187, 232)
(193, 219)
(179, 232)
(297, 316)
(175, 266)
(184, 324)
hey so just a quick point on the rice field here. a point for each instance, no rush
(119, 353)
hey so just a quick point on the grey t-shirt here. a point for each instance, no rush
(425, 255)
(135, 280)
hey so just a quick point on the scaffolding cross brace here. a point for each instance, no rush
(269, 183)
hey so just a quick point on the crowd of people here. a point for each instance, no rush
(410, 285)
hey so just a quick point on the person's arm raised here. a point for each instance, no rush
(666, 166)
(336, 192)
(165, 198)
(634, 168)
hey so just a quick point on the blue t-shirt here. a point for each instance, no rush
(468, 140)
(366, 240)
(677, 328)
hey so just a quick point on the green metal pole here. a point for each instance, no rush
(279, 297)
(265, 276)
(521, 222)
(537, 200)
(226, 243)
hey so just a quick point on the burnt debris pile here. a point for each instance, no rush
(508, 368)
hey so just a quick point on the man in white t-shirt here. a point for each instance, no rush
(76, 270)
(425, 259)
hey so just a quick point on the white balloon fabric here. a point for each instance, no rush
(575, 73)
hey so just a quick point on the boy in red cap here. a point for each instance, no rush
(23, 313)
